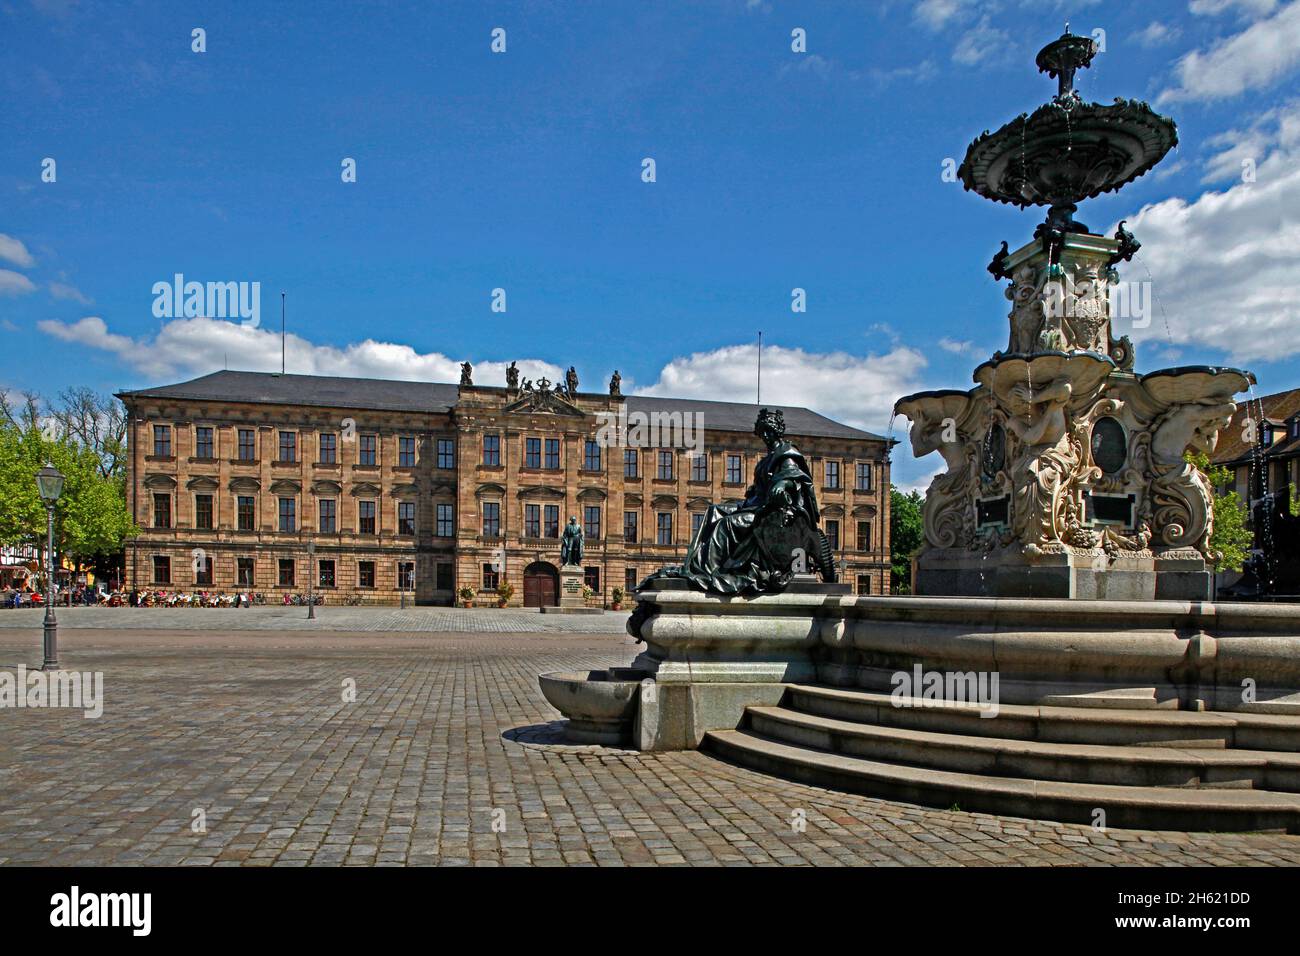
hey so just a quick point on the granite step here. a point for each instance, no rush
(1116, 765)
(1181, 808)
(1074, 725)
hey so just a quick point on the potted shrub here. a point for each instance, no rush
(505, 591)
(616, 599)
(587, 593)
(466, 596)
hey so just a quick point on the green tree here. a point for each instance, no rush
(906, 533)
(1231, 539)
(90, 518)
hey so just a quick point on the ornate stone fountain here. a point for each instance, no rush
(1066, 470)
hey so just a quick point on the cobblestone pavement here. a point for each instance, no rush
(447, 736)
(278, 618)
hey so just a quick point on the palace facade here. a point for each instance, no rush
(430, 487)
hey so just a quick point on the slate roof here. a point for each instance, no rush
(1277, 408)
(329, 391)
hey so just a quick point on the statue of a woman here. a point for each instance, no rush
(756, 546)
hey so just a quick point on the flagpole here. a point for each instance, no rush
(758, 399)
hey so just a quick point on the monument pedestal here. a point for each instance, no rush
(570, 597)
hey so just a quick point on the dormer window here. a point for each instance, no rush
(1265, 434)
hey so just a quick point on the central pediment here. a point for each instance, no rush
(544, 400)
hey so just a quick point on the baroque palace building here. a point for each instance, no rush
(431, 487)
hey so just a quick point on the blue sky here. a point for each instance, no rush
(522, 171)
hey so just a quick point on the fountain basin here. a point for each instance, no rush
(599, 704)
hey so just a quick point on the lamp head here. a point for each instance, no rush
(49, 482)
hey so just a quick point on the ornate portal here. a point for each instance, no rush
(1066, 471)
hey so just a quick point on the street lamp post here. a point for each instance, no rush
(311, 580)
(49, 483)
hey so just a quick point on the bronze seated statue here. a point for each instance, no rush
(756, 546)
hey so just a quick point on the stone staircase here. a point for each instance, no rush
(1147, 769)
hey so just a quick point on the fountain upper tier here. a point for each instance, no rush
(1067, 150)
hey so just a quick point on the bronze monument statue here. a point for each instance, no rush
(756, 546)
(571, 543)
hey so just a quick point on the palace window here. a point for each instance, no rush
(832, 474)
(162, 511)
(406, 517)
(288, 514)
(664, 527)
(630, 526)
(405, 452)
(365, 574)
(697, 519)
(246, 512)
(325, 573)
(288, 446)
(735, 469)
(591, 455)
(203, 512)
(864, 535)
(162, 441)
(491, 519)
(162, 569)
(864, 476)
(864, 584)
(532, 521)
(445, 526)
(203, 570)
(328, 516)
(699, 467)
(203, 442)
(630, 463)
(591, 577)
(591, 522)
(553, 454)
(551, 520)
(329, 448)
(491, 449)
(446, 453)
(367, 449)
(247, 444)
(406, 575)
(532, 453)
(286, 573)
(490, 578)
(666, 465)
(244, 572)
(365, 517)
(445, 576)
(629, 579)
(833, 533)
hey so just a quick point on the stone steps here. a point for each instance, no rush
(1082, 725)
(1124, 807)
(1153, 769)
(1008, 757)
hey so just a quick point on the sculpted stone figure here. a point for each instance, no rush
(466, 373)
(571, 381)
(571, 543)
(616, 384)
(756, 545)
(1027, 312)
(512, 376)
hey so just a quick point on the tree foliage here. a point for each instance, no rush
(1231, 538)
(906, 533)
(84, 437)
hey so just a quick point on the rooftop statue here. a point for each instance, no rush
(757, 545)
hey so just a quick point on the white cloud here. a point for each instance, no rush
(15, 283)
(1255, 58)
(856, 389)
(937, 14)
(190, 347)
(12, 250)
(963, 347)
(981, 43)
(1253, 8)
(1157, 34)
(1226, 264)
(61, 290)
